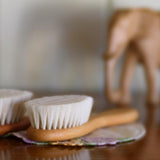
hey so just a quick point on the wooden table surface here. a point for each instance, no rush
(147, 148)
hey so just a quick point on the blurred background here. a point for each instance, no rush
(58, 45)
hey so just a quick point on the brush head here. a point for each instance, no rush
(11, 105)
(59, 112)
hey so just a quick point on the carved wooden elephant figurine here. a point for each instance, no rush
(137, 32)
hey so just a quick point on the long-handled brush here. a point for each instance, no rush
(60, 118)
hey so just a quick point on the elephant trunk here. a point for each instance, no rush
(122, 29)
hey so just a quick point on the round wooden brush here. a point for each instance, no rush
(12, 110)
(59, 118)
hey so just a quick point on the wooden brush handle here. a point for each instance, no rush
(109, 118)
(21, 125)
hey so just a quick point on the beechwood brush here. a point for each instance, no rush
(59, 118)
(12, 110)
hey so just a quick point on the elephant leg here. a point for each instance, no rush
(130, 62)
(111, 94)
(151, 72)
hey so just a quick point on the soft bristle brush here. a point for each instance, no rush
(12, 110)
(59, 118)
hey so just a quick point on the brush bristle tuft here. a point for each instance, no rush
(59, 112)
(11, 105)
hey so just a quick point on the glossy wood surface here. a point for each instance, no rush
(147, 148)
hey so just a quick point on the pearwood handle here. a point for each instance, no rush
(109, 118)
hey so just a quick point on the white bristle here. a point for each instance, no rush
(11, 105)
(59, 112)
